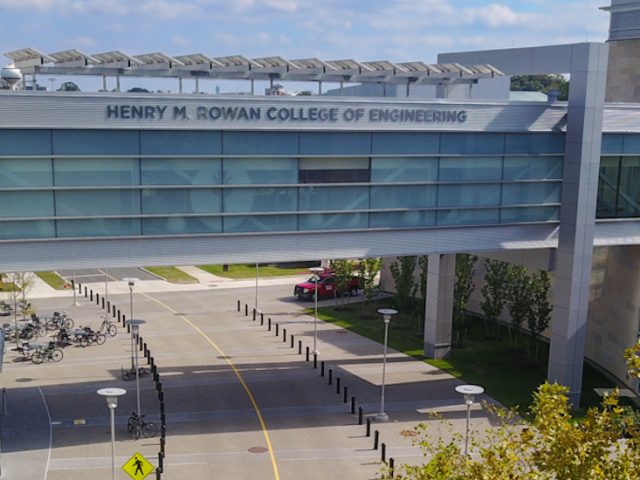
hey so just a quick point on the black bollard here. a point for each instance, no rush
(360, 414)
(103, 303)
(145, 349)
(345, 394)
(119, 315)
(284, 335)
(269, 324)
(151, 362)
(113, 311)
(330, 376)
(315, 361)
(353, 405)
(337, 385)
(299, 347)
(128, 327)
(97, 298)
(383, 453)
(254, 315)
(161, 397)
(376, 439)
(277, 329)
(85, 292)
(391, 467)
(307, 350)
(140, 343)
(246, 310)
(238, 305)
(91, 295)
(368, 431)
(322, 369)
(261, 318)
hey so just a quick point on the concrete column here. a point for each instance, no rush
(439, 305)
(577, 216)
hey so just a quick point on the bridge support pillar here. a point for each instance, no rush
(439, 305)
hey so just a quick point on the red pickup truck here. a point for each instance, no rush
(326, 287)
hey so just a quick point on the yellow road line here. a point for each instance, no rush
(238, 375)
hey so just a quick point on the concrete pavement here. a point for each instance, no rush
(241, 403)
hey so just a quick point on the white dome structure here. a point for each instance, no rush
(11, 75)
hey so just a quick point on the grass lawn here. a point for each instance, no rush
(249, 271)
(7, 286)
(172, 274)
(504, 372)
(52, 279)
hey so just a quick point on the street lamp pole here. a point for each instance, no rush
(75, 299)
(135, 330)
(131, 282)
(316, 275)
(112, 394)
(386, 313)
(469, 391)
(257, 272)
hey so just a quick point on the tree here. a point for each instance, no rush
(462, 289)
(344, 272)
(494, 291)
(541, 83)
(551, 447)
(520, 298)
(402, 272)
(539, 315)
(423, 266)
(370, 267)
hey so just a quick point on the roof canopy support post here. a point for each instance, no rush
(117, 83)
(179, 84)
(197, 85)
(320, 87)
(104, 83)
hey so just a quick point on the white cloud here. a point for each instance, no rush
(24, 4)
(181, 41)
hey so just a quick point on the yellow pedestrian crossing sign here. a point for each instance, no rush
(137, 467)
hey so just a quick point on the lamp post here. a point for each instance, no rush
(73, 283)
(112, 394)
(386, 313)
(135, 329)
(469, 391)
(131, 281)
(316, 276)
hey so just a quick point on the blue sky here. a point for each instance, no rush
(398, 30)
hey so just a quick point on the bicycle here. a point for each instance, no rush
(59, 321)
(108, 327)
(48, 353)
(137, 426)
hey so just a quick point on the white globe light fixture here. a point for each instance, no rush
(111, 395)
(469, 392)
(386, 313)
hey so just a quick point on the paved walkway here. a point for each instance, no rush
(241, 403)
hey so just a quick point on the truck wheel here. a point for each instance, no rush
(353, 291)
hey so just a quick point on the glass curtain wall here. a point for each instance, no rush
(109, 184)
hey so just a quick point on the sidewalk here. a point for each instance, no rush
(41, 289)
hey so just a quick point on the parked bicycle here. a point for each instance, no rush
(108, 327)
(58, 321)
(137, 426)
(86, 336)
(47, 353)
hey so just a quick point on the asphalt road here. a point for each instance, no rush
(241, 402)
(97, 275)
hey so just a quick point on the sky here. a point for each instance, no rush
(396, 30)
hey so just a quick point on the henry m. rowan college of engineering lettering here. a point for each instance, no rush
(285, 114)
